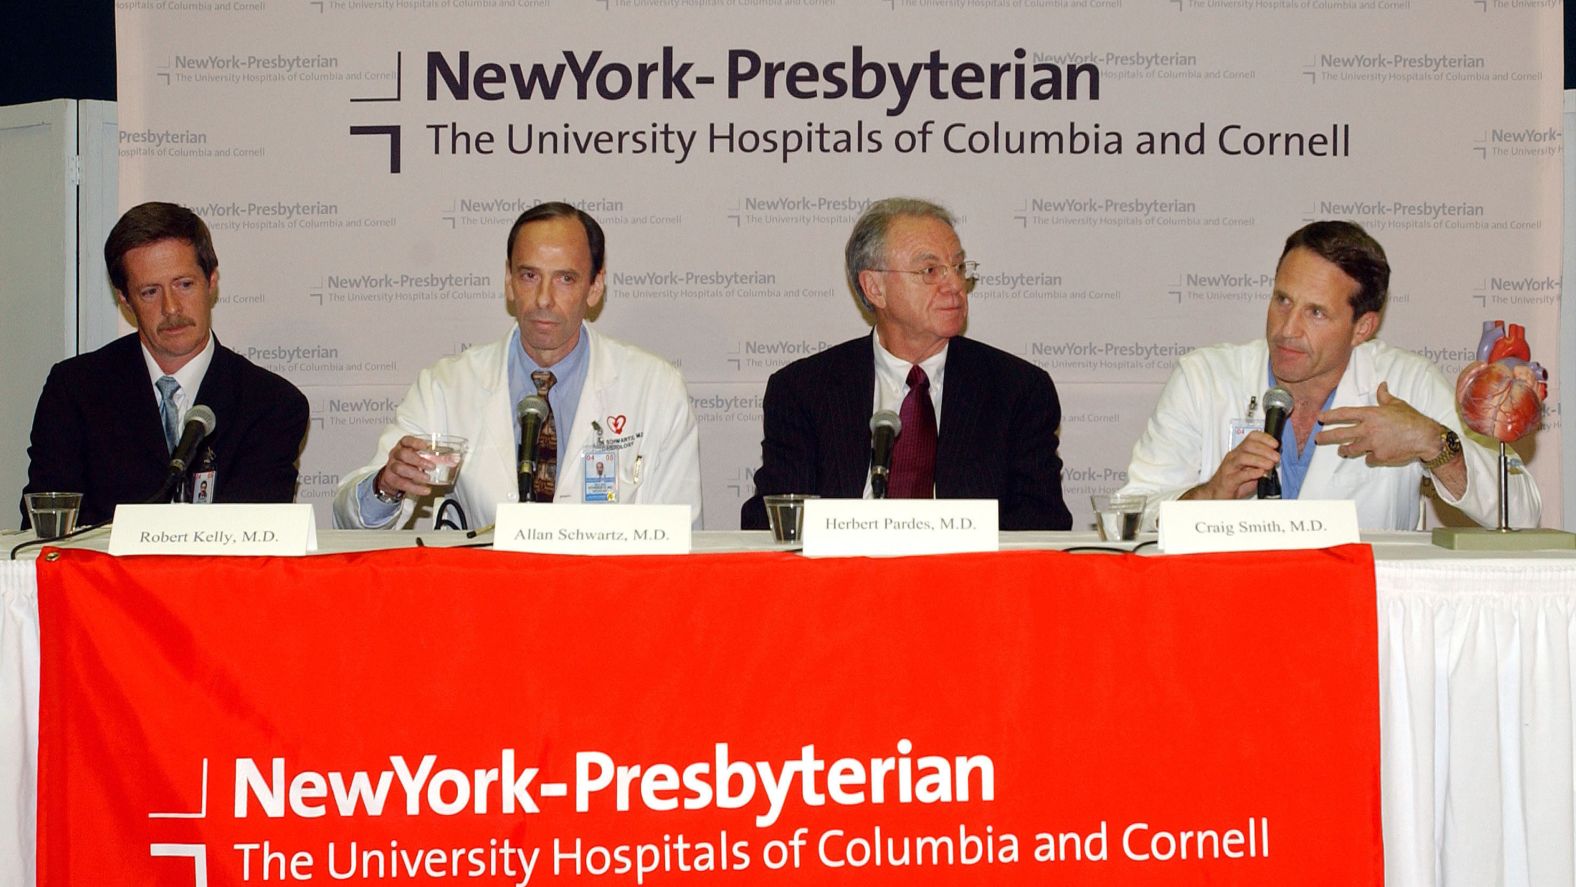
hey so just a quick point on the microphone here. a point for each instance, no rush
(885, 426)
(200, 423)
(532, 413)
(1277, 406)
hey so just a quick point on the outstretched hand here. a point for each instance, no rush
(1388, 433)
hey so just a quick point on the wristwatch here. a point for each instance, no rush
(1449, 448)
(395, 497)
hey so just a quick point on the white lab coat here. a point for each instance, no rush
(638, 401)
(1190, 433)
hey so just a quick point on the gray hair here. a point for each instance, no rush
(867, 244)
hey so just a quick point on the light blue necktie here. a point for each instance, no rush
(168, 411)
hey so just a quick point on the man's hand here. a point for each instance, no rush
(1391, 433)
(406, 470)
(1239, 473)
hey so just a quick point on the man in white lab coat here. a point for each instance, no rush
(1368, 420)
(609, 402)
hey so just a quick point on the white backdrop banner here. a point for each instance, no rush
(1125, 172)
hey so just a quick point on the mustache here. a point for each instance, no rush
(178, 322)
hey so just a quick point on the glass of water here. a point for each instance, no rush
(53, 514)
(1118, 517)
(445, 453)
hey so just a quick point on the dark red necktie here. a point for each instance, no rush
(914, 455)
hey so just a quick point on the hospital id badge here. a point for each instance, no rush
(204, 486)
(1240, 429)
(601, 476)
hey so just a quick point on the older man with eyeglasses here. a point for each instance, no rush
(996, 436)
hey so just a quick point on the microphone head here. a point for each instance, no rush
(1278, 398)
(204, 417)
(886, 419)
(532, 405)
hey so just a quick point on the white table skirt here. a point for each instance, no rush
(18, 722)
(1475, 707)
(1478, 762)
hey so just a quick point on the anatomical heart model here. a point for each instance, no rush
(1501, 393)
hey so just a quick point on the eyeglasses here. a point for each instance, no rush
(935, 274)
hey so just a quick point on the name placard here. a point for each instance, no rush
(217, 529)
(593, 529)
(890, 527)
(1256, 525)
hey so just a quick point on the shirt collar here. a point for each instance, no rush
(190, 376)
(569, 366)
(892, 371)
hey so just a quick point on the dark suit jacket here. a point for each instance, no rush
(997, 440)
(97, 431)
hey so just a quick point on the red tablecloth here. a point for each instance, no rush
(465, 717)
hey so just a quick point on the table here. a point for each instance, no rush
(1476, 702)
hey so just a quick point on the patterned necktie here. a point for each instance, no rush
(546, 443)
(168, 411)
(914, 454)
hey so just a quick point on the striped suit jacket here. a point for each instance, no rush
(997, 439)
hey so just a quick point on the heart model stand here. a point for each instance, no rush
(1500, 395)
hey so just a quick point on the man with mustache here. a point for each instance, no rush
(108, 420)
(1369, 421)
(619, 426)
(978, 423)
